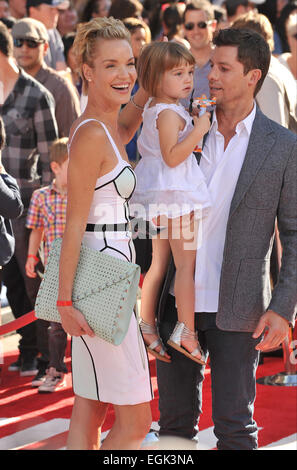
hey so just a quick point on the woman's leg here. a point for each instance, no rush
(85, 425)
(132, 423)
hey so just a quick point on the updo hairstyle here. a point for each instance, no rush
(86, 41)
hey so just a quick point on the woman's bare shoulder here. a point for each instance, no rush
(87, 133)
(86, 140)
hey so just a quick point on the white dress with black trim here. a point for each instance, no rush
(101, 371)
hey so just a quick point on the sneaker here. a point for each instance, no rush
(54, 381)
(28, 367)
(41, 374)
(15, 366)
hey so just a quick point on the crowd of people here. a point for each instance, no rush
(67, 71)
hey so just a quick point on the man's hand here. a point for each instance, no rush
(278, 328)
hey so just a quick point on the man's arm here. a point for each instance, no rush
(46, 132)
(282, 309)
(284, 296)
(67, 107)
(11, 205)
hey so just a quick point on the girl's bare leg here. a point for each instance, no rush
(152, 284)
(85, 425)
(183, 246)
(132, 423)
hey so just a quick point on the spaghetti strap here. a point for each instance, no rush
(116, 150)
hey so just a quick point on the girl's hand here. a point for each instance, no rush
(202, 123)
(74, 323)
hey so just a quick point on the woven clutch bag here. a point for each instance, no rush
(104, 290)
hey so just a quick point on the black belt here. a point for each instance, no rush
(124, 227)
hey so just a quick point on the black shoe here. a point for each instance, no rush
(41, 374)
(15, 366)
(29, 367)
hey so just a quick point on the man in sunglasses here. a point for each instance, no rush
(30, 47)
(28, 112)
(199, 25)
(47, 11)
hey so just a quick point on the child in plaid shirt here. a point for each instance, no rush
(46, 219)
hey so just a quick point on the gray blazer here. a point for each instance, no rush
(266, 190)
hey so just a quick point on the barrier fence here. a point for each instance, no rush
(18, 323)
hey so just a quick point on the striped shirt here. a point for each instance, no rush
(29, 118)
(47, 210)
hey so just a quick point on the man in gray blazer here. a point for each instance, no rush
(250, 165)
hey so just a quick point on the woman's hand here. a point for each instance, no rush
(74, 323)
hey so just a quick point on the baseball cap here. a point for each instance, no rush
(28, 28)
(60, 4)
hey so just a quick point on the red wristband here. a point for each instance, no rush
(64, 303)
(33, 256)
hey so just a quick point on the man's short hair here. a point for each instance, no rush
(253, 51)
(6, 42)
(203, 5)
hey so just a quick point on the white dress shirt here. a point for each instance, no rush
(221, 169)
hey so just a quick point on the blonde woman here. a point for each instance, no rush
(100, 184)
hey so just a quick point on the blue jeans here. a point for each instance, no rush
(233, 362)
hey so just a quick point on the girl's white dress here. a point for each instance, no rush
(162, 189)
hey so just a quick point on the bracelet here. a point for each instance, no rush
(64, 303)
(33, 256)
(141, 108)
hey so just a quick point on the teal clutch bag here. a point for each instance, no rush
(104, 290)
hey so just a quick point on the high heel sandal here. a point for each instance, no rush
(180, 332)
(147, 329)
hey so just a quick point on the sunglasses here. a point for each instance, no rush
(201, 25)
(31, 43)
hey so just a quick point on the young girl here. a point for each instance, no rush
(170, 190)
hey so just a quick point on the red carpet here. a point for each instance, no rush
(22, 407)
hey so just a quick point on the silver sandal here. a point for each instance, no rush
(147, 329)
(181, 331)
